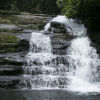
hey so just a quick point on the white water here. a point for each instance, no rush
(83, 61)
(83, 66)
(73, 28)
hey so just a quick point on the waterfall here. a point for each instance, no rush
(45, 70)
(84, 62)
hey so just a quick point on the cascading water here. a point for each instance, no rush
(46, 70)
(83, 66)
(43, 69)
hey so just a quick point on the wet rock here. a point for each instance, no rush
(60, 37)
(23, 45)
(35, 49)
(12, 43)
(58, 27)
(8, 47)
(57, 24)
(34, 63)
(59, 30)
(11, 70)
(57, 61)
(6, 26)
(10, 65)
(8, 82)
(63, 82)
(4, 61)
(11, 46)
(60, 42)
(37, 71)
(19, 29)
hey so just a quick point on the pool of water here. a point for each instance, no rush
(45, 95)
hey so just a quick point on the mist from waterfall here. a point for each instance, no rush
(82, 73)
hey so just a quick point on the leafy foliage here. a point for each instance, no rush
(80, 8)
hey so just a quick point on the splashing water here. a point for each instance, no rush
(83, 66)
(71, 25)
(47, 71)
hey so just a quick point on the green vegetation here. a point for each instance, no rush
(86, 10)
(8, 43)
(5, 20)
(33, 6)
(9, 19)
(8, 38)
(80, 8)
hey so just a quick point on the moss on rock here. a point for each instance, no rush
(8, 38)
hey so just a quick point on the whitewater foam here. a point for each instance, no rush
(80, 75)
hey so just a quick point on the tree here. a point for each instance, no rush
(80, 8)
(5, 4)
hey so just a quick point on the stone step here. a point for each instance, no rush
(11, 70)
(10, 82)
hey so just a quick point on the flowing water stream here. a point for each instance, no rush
(45, 70)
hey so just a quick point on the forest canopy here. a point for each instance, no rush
(33, 6)
(80, 8)
(86, 10)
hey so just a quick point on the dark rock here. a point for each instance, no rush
(60, 42)
(10, 62)
(19, 29)
(57, 24)
(50, 29)
(11, 71)
(58, 60)
(23, 45)
(59, 30)
(36, 63)
(8, 47)
(63, 82)
(58, 27)
(34, 48)
(37, 71)
(9, 82)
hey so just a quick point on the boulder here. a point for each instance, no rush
(10, 82)
(57, 24)
(23, 45)
(59, 30)
(58, 27)
(60, 42)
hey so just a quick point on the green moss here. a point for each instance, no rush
(4, 30)
(32, 23)
(8, 38)
(4, 21)
(11, 19)
(9, 47)
(8, 43)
